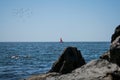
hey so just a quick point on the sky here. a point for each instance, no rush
(49, 20)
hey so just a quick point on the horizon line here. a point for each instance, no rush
(54, 41)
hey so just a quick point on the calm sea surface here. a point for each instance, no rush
(20, 60)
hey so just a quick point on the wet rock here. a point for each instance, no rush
(70, 59)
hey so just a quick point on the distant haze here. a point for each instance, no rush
(50, 20)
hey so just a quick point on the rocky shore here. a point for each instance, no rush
(72, 66)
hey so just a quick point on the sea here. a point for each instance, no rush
(20, 60)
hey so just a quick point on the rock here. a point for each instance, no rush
(70, 59)
(113, 55)
(115, 44)
(94, 70)
(115, 75)
(106, 56)
(116, 33)
(43, 76)
(115, 51)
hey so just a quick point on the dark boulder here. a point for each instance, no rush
(70, 59)
(115, 51)
(115, 44)
(116, 33)
(113, 55)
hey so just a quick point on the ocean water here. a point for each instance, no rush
(19, 60)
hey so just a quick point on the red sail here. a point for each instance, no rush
(61, 41)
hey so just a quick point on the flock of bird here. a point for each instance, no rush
(22, 12)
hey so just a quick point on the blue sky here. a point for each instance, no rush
(48, 20)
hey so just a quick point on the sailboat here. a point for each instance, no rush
(61, 41)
